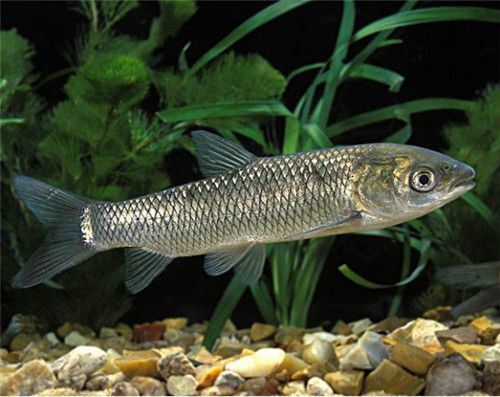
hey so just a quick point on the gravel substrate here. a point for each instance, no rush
(433, 355)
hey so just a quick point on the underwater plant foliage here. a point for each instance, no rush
(100, 142)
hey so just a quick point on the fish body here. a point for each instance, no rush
(244, 203)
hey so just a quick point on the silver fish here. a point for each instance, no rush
(245, 203)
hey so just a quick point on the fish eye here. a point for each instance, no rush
(422, 180)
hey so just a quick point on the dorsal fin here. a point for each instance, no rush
(217, 155)
(142, 267)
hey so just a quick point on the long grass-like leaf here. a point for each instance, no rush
(381, 75)
(223, 110)
(401, 136)
(225, 307)
(265, 303)
(292, 133)
(429, 15)
(353, 276)
(269, 13)
(480, 207)
(405, 269)
(336, 62)
(401, 111)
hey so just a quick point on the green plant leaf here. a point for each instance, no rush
(222, 110)
(428, 15)
(265, 303)
(401, 136)
(480, 207)
(318, 135)
(353, 276)
(304, 69)
(292, 134)
(261, 18)
(225, 307)
(336, 63)
(401, 111)
(376, 73)
(4, 122)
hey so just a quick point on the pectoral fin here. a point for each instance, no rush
(248, 261)
(329, 228)
(142, 267)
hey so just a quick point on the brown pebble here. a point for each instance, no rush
(459, 335)
(254, 386)
(491, 378)
(124, 389)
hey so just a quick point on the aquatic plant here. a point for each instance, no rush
(296, 267)
(97, 142)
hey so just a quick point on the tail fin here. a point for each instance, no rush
(60, 212)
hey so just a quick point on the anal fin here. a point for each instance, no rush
(142, 267)
(247, 260)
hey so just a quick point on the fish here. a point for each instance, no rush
(243, 203)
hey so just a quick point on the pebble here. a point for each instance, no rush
(294, 388)
(287, 334)
(341, 328)
(390, 324)
(201, 355)
(206, 375)
(420, 332)
(346, 382)
(392, 379)
(182, 385)
(147, 386)
(138, 364)
(451, 376)
(125, 331)
(19, 342)
(103, 381)
(254, 386)
(33, 377)
(175, 364)
(322, 353)
(472, 353)
(309, 372)
(491, 378)
(487, 329)
(326, 336)
(360, 326)
(73, 368)
(74, 338)
(217, 391)
(411, 358)
(367, 353)
(270, 388)
(175, 322)
(260, 331)
(124, 389)
(230, 379)
(106, 332)
(491, 354)
(459, 335)
(52, 338)
(262, 363)
(148, 332)
(318, 387)
(291, 364)
(67, 328)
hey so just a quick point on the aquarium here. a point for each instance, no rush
(210, 198)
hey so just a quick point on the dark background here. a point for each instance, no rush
(457, 59)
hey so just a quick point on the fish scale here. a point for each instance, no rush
(269, 200)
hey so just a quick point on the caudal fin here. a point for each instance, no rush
(61, 214)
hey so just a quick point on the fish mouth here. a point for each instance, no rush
(466, 182)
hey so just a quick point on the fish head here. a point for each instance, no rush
(395, 183)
